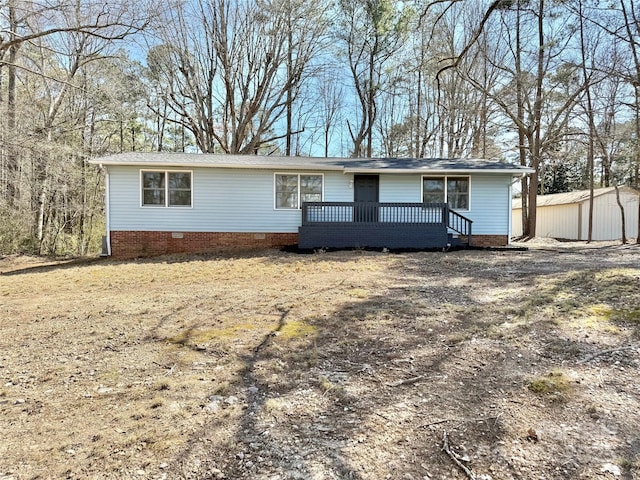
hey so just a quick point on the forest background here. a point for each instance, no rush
(554, 85)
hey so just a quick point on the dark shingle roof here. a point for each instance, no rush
(355, 165)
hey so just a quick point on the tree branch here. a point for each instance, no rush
(496, 4)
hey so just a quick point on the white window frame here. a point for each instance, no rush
(166, 187)
(294, 174)
(446, 192)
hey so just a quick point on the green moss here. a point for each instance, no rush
(630, 315)
(358, 293)
(296, 329)
(554, 383)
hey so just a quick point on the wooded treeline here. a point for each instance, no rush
(554, 85)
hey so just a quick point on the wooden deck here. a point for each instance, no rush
(381, 225)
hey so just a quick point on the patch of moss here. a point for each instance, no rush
(601, 311)
(327, 386)
(631, 315)
(554, 383)
(358, 293)
(297, 329)
(597, 317)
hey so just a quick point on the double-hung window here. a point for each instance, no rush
(452, 190)
(293, 189)
(166, 188)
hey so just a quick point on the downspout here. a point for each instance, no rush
(107, 201)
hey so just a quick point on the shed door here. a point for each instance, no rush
(366, 193)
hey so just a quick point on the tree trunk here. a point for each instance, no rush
(522, 151)
(371, 102)
(637, 151)
(535, 144)
(592, 128)
(289, 99)
(13, 191)
(623, 222)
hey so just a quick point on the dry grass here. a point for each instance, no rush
(277, 365)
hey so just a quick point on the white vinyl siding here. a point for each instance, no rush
(489, 196)
(242, 200)
(224, 200)
(490, 204)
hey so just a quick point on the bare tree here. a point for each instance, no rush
(44, 46)
(331, 100)
(529, 63)
(372, 31)
(621, 22)
(35, 23)
(236, 68)
(632, 29)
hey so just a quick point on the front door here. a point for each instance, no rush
(365, 193)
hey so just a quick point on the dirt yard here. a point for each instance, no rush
(345, 365)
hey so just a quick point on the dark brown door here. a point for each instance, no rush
(366, 195)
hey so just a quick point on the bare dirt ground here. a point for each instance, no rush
(343, 365)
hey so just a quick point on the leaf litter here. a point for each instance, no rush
(338, 365)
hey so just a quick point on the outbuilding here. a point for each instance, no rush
(566, 215)
(159, 203)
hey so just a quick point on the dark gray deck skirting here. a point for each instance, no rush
(373, 235)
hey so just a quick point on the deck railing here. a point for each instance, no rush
(460, 223)
(322, 213)
(375, 224)
(373, 212)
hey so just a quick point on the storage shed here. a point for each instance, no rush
(566, 215)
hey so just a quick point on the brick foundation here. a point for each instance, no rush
(489, 240)
(132, 244)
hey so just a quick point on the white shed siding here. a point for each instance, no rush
(224, 200)
(559, 221)
(607, 219)
(571, 220)
(516, 222)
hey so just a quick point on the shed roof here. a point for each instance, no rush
(568, 198)
(346, 165)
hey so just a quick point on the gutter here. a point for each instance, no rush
(308, 166)
(320, 167)
(445, 171)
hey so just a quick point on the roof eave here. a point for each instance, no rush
(465, 171)
(215, 165)
(312, 167)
